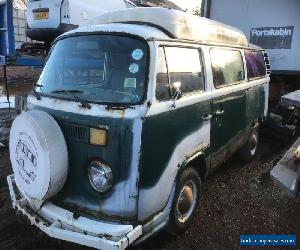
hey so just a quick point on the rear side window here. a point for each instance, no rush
(227, 66)
(255, 64)
(185, 67)
(162, 81)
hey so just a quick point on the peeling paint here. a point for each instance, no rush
(167, 178)
(147, 145)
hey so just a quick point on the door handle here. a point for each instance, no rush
(219, 112)
(206, 117)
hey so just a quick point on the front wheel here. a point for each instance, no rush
(249, 150)
(186, 200)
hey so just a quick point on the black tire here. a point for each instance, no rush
(189, 179)
(249, 150)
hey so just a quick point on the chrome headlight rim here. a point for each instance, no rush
(100, 166)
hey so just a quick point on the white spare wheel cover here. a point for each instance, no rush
(38, 154)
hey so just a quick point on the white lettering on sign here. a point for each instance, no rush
(272, 32)
(272, 37)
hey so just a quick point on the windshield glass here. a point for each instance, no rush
(96, 68)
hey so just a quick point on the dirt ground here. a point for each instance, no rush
(20, 79)
(238, 199)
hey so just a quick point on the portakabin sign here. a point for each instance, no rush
(272, 37)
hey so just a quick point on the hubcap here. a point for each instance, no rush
(186, 201)
(253, 143)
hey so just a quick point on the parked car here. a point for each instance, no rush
(129, 116)
(47, 19)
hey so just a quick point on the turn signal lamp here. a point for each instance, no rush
(98, 137)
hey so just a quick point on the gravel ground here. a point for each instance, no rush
(238, 199)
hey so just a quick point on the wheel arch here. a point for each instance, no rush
(198, 162)
(256, 123)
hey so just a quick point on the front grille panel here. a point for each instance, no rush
(75, 132)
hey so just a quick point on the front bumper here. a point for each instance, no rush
(64, 225)
(48, 34)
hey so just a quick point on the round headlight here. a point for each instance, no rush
(101, 176)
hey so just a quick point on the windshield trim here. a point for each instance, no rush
(129, 104)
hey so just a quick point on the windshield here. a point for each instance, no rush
(96, 68)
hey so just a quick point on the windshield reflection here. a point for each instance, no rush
(96, 68)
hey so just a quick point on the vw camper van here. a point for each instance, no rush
(129, 115)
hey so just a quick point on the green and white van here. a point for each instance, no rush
(130, 114)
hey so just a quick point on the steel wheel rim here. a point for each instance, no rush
(186, 201)
(253, 143)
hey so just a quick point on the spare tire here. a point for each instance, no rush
(38, 154)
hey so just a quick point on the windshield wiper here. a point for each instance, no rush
(118, 106)
(37, 95)
(83, 102)
(69, 91)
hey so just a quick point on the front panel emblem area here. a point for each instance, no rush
(26, 157)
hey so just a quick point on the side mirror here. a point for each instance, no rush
(177, 94)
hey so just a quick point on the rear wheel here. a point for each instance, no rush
(186, 200)
(249, 150)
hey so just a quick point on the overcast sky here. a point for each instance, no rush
(188, 4)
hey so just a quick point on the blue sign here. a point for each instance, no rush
(268, 240)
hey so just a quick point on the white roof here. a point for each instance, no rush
(145, 32)
(255, 47)
(176, 24)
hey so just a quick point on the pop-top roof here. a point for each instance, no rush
(176, 24)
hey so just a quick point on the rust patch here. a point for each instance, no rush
(230, 148)
(196, 150)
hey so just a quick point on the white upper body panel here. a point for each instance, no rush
(142, 31)
(81, 11)
(177, 24)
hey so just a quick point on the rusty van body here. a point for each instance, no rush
(140, 112)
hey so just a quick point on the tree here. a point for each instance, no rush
(197, 12)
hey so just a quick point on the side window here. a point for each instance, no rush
(227, 66)
(184, 66)
(162, 81)
(255, 64)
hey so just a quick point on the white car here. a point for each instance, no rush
(47, 19)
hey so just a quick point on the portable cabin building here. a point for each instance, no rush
(271, 24)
